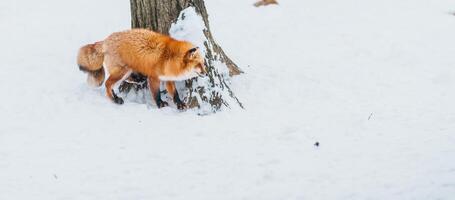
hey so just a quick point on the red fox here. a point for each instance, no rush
(157, 56)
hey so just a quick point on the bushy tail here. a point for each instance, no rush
(90, 60)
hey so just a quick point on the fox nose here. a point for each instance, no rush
(204, 70)
(202, 74)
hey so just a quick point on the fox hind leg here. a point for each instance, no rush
(115, 76)
(170, 87)
(154, 86)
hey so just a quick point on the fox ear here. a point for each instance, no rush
(192, 52)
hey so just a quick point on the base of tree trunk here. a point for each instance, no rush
(162, 16)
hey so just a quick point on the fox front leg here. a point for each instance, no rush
(154, 85)
(170, 87)
(180, 104)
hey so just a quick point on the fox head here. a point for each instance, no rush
(195, 62)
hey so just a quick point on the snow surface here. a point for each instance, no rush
(372, 81)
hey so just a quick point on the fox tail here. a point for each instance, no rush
(90, 60)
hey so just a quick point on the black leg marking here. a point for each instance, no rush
(117, 99)
(180, 104)
(160, 103)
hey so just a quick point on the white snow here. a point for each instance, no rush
(189, 27)
(372, 81)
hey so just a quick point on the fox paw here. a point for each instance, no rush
(162, 104)
(181, 106)
(118, 100)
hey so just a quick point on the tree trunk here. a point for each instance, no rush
(159, 15)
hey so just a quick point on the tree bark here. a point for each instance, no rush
(159, 15)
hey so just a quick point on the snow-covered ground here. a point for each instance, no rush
(372, 81)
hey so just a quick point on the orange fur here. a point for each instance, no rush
(150, 53)
(90, 59)
(91, 56)
(159, 57)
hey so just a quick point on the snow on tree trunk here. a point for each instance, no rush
(188, 20)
